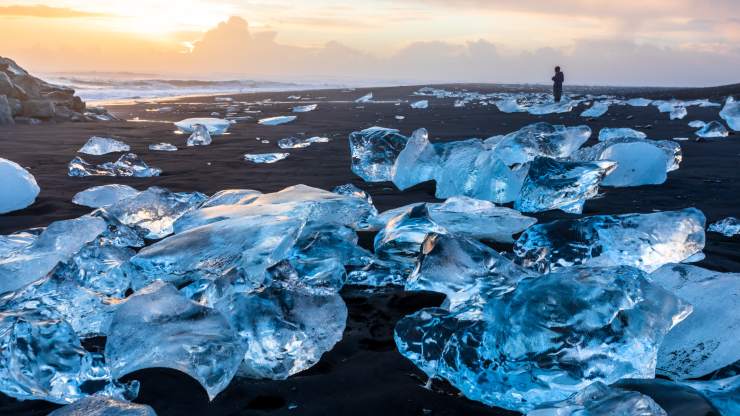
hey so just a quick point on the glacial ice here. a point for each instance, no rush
(599, 399)
(215, 126)
(374, 151)
(163, 147)
(305, 108)
(300, 142)
(564, 106)
(596, 110)
(509, 105)
(276, 121)
(552, 184)
(423, 104)
(103, 145)
(231, 197)
(697, 124)
(731, 113)
(418, 161)
(678, 113)
(103, 406)
(95, 267)
(620, 133)
(728, 227)
(540, 139)
(645, 241)
(365, 98)
(723, 393)
(703, 342)
(18, 188)
(401, 238)
(104, 195)
(127, 165)
(639, 102)
(551, 337)
(349, 189)
(200, 136)
(713, 129)
(159, 327)
(265, 157)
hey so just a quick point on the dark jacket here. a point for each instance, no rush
(558, 79)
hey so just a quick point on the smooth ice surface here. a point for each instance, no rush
(564, 106)
(215, 126)
(723, 393)
(401, 238)
(103, 406)
(305, 108)
(645, 241)
(703, 342)
(599, 399)
(608, 133)
(423, 104)
(103, 145)
(127, 165)
(639, 102)
(163, 147)
(552, 184)
(200, 136)
(159, 327)
(418, 161)
(276, 121)
(231, 197)
(540, 139)
(598, 109)
(374, 151)
(728, 227)
(265, 157)
(18, 188)
(713, 129)
(731, 113)
(548, 339)
(59, 241)
(104, 195)
(365, 98)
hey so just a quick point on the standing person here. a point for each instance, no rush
(557, 86)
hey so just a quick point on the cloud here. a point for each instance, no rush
(44, 12)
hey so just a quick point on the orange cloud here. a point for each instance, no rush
(45, 12)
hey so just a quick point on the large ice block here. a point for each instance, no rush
(731, 113)
(200, 136)
(374, 151)
(265, 157)
(18, 188)
(127, 165)
(713, 129)
(401, 238)
(231, 197)
(104, 195)
(103, 145)
(418, 162)
(215, 126)
(540, 139)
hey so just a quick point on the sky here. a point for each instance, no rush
(626, 42)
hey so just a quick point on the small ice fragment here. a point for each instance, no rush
(101, 196)
(639, 102)
(678, 113)
(127, 165)
(622, 132)
(215, 126)
(265, 157)
(103, 145)
(200, 136)
(18, 188)
(400, 117)
(276, 121)
(697, 124)
(728, 227)
(305, 108)
(163, 147)
(420, 104)
(713, 129)
(365, 98)
(598, 109)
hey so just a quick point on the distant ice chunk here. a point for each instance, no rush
(620, 133)
(200, 136)
(300, 142)
(127, 165)
(728, 227)
(215, 126)
(103, 406)
(713, 129)
(276, 121)
(645, 241)
(104, 195)
(374, 151)
(103, 145)
(305, 108)
(540, 139)
(163, 147)
(731, 113)
(159, 327)
(423, 104)
(365, 98)
(265, 157)
(596, 110)
(599, 399)
(678, 113)
(697, 124)
(639, 102)
(18, 188)
(510, 105)
(564, 106)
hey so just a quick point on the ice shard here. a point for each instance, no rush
(200, 136)
(700, 344)
(639, 102)
(127, 165)
(159, 327)
(95, 267)
(423, 104)
(265, 157)
(731, 113)
(564, 106)
(728, 227)
(215, 126)
(103, 145)
(418, 162)
(374, 151)
(163, 147)
(305, 108)
(713, 129)
(620, 133)
(231, 197)
(552, 184)
(599, 399)
(552, 337)
(596, 110)
(104, 195)
(401, 238)
(103, 406)
(540, 139)
(645, 241)
(276, 121)
(18, 188)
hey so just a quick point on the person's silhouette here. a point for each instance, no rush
(557, 86)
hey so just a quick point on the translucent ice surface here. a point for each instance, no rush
(423, 104)
(599, 399)
(731, 113)
(728, 227)
(276, 121)
(374, 151)
(200, 136)
(540, 139)
(127, 165)
(713, 129)
(163, 147)
(620, 133)
(215, 126)
(18, 188)
(104, 195)
(103, 145)
(103, 406)
(265, 157)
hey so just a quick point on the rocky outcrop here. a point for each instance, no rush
(25, 99)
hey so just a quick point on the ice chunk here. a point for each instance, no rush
(599, 399)
(728, 227)
(620, 133)
(103, 406)
(459, 167)
(18, 188)
(305, 108)
(200, 136)
(365, 98)
(713, 129)
(677, 113)
(400, 240)
(596, 110)
(540, 139)
(723, 393)
(731, 113)
(104, 195)
(551, 337)
(163, 147)
(639, 102)
(645, 241)
(697, 124)
(423, 104)
(418, 162)
(58, 242)
(103, 145)
(552, 184)
(374, 152)
(276, 121)
(95, 267)
(127, 165)
(159, 327)
(300, 142)
(215, 126)
(564, 106)
(232, 197)
(349, 189)
(265, 157)
(509, 105)
(700, 344)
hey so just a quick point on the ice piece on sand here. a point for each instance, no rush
(103, 406)
(200, 136)
(305, 108)
(18, 188)
(599, 399)
(265, 157)
(678, 113)
(276, 121)
(215, 126)
(731, 113)
(622, 132)
(564, 106)
(159, 327)
(697, 124)
(713, 129)
(420, 104)
(127, 165)
(418, 161)
(231, 197)
(104, 195)
(700, 344)
(596, 110)
(163, 147)
(510, 105)
(300, 142)
(540, 139)
(552, 184)
(59, 241)
(103, 145)
(374, 151)
(552, 337)
(365, 98)
(639, 102)
(352, 190)
(401, 238)
(728, 227)
(645, 241)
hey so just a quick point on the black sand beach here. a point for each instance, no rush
(363, 374)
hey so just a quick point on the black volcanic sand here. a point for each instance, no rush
(363, 374)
